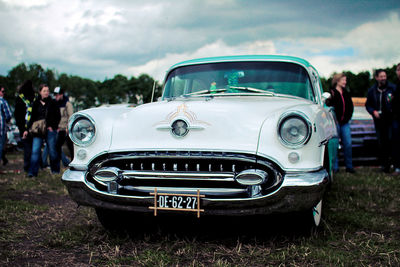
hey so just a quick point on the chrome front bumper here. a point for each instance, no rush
(299, 191)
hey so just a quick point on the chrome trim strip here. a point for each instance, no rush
(205, 176)
(304, 179)
(79, 167)
(197, 151)
(73, 176)
(172, 190)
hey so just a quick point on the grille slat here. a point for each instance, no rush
(206, 176)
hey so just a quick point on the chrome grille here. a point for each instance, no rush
(212, 173)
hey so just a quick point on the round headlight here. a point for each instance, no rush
(294, 131)
(82, 131)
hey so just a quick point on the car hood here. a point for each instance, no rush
(226, 124)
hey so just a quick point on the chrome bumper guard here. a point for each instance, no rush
(298, 191)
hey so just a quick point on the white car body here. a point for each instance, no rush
(252, 131)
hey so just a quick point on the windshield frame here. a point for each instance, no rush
(275, 66)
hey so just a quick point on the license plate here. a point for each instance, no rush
(177, 202)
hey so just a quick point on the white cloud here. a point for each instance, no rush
(18, 54)
(378, 39)
(327, 65)
(26, 3)
(158, 67)
(103, 38)
(376, 45)
(364, 48)
(369, 46)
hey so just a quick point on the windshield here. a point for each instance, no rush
(239, 77)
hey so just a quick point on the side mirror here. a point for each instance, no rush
(325, 96)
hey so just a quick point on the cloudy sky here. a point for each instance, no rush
(98, 39)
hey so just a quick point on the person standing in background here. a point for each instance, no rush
(66, 111)
(44, 109)
(22, 113)
(343, 107)
(5, 114)
(396, 124)
(379, 105)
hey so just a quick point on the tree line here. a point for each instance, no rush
(87, 93)
(360, 82)
(84, 92)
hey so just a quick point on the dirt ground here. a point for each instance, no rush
(33, 229)
(41, 226)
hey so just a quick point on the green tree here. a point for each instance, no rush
(113, 91)
(391, 74)
(82, 92)
(357, 83)
(20, 73)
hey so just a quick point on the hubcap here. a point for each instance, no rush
(317, 210)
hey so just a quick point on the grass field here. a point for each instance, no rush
(41, 226)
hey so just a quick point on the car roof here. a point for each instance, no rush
(278, 58)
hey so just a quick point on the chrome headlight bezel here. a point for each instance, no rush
(75, 118)
(300, 117)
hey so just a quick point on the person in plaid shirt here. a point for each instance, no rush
(5, 117)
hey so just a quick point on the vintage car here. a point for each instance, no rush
(239, 135)
(363, 135)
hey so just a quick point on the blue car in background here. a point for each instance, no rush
(363, 136)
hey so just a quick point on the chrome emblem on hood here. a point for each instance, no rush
(180, 121)
(179, 128)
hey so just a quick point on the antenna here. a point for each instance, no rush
(152, 94)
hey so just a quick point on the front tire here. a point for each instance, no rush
(112, 220)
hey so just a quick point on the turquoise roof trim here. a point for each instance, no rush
(242, 58)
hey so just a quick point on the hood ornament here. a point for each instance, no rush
(181, 121)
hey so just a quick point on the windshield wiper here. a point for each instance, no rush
(213, 91)
(202, 92)
(251, 89)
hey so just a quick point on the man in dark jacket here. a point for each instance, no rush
(379, 105)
